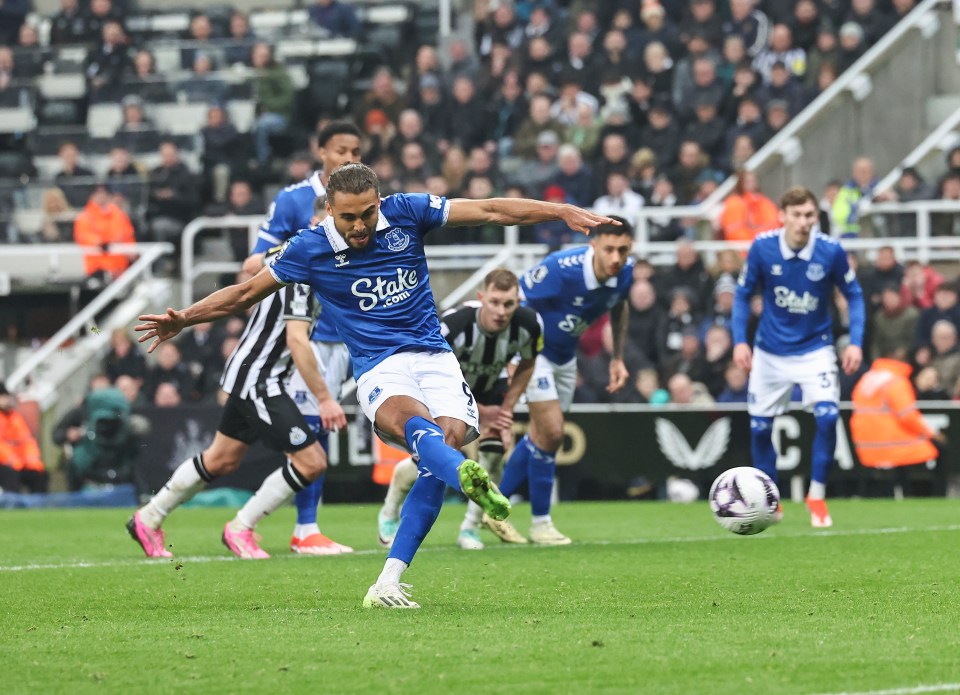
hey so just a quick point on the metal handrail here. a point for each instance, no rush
(149, 254)
(191, 272)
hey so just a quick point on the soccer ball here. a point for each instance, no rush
(744, 500)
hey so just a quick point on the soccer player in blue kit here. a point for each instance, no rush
(796, 268)
(569, 290)
(367, 262)
(292, 210)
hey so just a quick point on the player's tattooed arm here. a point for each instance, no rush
(618, 370)
(510, 211)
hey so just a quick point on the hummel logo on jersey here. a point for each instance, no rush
(341, 259)
(776, 269)
(297, 436)
(794, 303)
(578, 301)
(389, 292)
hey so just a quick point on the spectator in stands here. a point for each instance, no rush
(574, 177)
(734, 385)
(69, 25)
(619, 200)
(336, 17)
(57, 224)
(121, 166)
(747, 211)
(223, 152)
(646, 322)
(508, 111)
(680, 317)
(658, 70)
(199, 40)
(28, 54)
(689, 272)
(542, 23)
(746, 84)
(535, 174)
(662, 134)
(432, 106)
(781, 50)
(691, 163)
(749, 23)
(945, 308)
(124, 359)
(145, 82)
(643, 172)
(684, 391)
(499, 26)
(413, 164)
(894, 324)
(595, 370)
(886, 272)
(239, 48)
(480, 163)
(425, 63)
(943, 354)
(454, 168)
(663, 228)
(467, 117)
(845, 218)
(107, 66)
(707, 129)
(203, 84)
(701, 19)
(826, 50)
(784, 87)
(920, 284)
(12, 16)
(167, 395)
(947, 223)
(874, 21)
(100, 223)
(852, 45)
(705, 85)
(99, 14)
(20, 463)
(382, 95)
(537, 122)
(721, 312)
(10, 94)
(929, 386)
(274, 94)
(134, 118)
(572, 95)
(805, 24)
(72, 173)
(131, 390)
(749, 122)
(174, 197)
(686, 360)
(200, 351)
(169, 368)
(410, 129)
(585, 131)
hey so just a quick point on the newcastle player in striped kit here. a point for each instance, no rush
(485, 336)
(258, 407)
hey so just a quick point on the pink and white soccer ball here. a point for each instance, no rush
(744, 500)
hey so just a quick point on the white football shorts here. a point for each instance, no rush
(333, 359)
(552, 382)
(772, 378)
(433, 378)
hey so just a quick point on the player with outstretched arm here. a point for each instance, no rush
(796, 268)
(367, 262)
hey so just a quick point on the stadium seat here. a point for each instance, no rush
(104, 119)
(180, 119)
(20, 119)
(177, 23)
(28, 222)
(242, 113)
(62, 86)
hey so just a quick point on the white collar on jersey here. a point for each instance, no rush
(806, 253)
(590, 277)
(337, 242)
(316, 184)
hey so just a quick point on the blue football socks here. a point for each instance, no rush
(761, 445)
(309, 497)
(825, 440)
(425, 441)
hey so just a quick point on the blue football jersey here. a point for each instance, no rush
(797, 289)
(565, 291)
(380, 294)
(290, 212)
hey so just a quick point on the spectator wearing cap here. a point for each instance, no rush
(100, 223)
(945, 308)
(701, 18)
(109, 64)
(750, 23)
(275, 95)
(537, 122)
(852, 45)
(875, 21)
(781, 50)
(707, 129)
(747, 212)
(845, 214)
(893, 324)
(336, 17)
(619, 199)
(662, 134)
(432, 105)
(69, 25)
(721, 312)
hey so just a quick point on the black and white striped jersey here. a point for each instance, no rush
(261, 362)
(482, 355)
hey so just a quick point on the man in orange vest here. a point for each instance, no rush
(100, 223)
(20, 463)
(888, 431)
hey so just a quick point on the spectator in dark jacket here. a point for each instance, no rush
(174, 196)
(124, 358)
(662, 135)
(336, 17)
(69, 25)
(646, 320)
(689, 272)
(108, 65)
(574, 177)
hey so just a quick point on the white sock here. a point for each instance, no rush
(301, 531)
(182, 486)
(818, 491)
(392, 569)
(471, 520)
(404, 476)
(278, 488)
(545, 519)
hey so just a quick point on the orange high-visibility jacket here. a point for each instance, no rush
(96, 226)
(744, 216)
(887, 428)
(18, 448)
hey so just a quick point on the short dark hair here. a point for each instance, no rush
(797, 195)
(353, 178)
(501, 279)
(336, 128)
(623, 229)
(320, 205)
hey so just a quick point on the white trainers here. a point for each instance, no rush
(545, 533)
(389, 596)
(503, 530)
(469, 539)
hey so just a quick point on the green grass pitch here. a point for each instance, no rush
(653, 598)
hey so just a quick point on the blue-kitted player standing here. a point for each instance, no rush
(796, 269)
(367, 262)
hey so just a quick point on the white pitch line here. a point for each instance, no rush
(379, 551)
(939, 688)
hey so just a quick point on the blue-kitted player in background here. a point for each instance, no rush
(796, 269)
